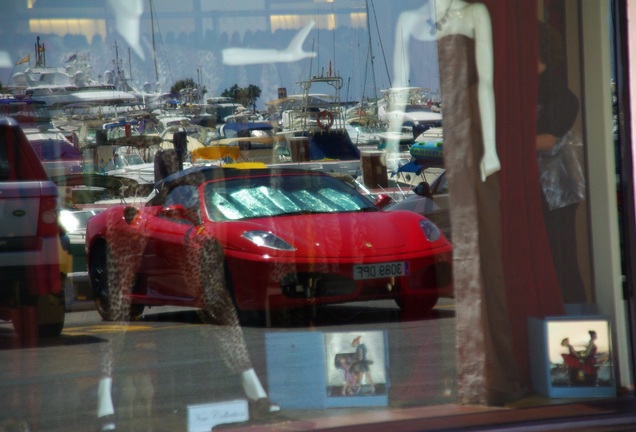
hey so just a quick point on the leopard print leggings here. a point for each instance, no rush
(204, 263)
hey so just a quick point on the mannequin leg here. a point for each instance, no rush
(219, 308)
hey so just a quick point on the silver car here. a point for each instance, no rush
(430, 201)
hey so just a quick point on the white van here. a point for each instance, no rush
(30, 276)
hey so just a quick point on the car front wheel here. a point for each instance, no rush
(249, 318)
(101, 286)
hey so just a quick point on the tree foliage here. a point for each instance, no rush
(185, 84)
(246, 96)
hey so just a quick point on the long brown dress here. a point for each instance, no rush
(486, 365)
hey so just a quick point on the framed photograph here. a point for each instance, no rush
(356, 364)
(572, 356)
(313, 369)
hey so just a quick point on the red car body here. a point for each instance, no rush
(333, 256)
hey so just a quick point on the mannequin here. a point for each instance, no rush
(487, 372)
(124, 256)
(448, 17)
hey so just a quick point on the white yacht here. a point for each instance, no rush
(71, 84)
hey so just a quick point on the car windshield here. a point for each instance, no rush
(254, 197)
(133, 159)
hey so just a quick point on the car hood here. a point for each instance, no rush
(415, 203)
(337, 235)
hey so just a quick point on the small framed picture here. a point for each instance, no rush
(312, 369)
(572, 356)
(355, 364)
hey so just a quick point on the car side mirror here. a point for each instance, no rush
(423, 189)
(129, 214)
(382, 200)
(179, 213)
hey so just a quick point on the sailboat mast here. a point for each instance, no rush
(333, 13)
(129, 65)
(154, 50)
(375, 92)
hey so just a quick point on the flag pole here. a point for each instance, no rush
(13, 70)
(19, 61)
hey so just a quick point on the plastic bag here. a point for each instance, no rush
(561, 172)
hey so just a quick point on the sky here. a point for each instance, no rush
(346, 50)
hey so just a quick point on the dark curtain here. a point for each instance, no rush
(531, 283)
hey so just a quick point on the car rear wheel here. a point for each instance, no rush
(101, 286)
(416, 308)
(292, 317)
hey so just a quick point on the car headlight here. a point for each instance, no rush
(68, 221)
(431, 231)
(267, 239)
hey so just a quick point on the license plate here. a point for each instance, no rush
(382, 270)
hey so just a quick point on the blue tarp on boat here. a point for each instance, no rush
(243, 126)
(332, 145)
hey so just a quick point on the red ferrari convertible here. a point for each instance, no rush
(290, 238)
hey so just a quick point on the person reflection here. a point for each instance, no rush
(557, 110)
(486, 368)
(203, 264)
(362, 363)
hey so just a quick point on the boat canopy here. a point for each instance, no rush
(332, 145)
(243, 126)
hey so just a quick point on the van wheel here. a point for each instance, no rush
(51, 313)
(39, 317)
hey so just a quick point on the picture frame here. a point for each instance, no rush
(572, 356)
(305, 369)
(355, 364)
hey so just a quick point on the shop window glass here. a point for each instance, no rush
(436, 249)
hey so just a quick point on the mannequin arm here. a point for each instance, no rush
(401, 67)
(486, 94)
(410, 24)
(401, 63)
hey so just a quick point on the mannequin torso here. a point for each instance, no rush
(455, 17)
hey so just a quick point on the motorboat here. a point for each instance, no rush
(71, 84)
(408, 107)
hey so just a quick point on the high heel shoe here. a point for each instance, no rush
(106, 424)
(263, 407)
